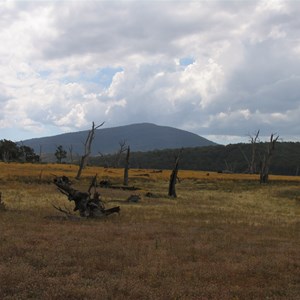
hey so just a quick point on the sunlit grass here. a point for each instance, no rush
(10, 171)
(224, 237)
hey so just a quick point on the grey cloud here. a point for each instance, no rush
(127, 28)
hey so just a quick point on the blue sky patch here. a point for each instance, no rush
(101, 76)
(185, 61)
(44, 73)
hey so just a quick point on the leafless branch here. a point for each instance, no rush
(87, 148)
(66, 212)
(266, 161)
(119, 153)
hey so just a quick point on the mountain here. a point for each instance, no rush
(140, 137)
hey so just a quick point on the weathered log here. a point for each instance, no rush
(90, 206)
(107, 184)
(134, 198)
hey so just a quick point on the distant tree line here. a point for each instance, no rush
(229, 158)
(10, 151)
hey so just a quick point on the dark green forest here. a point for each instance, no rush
(233, 158)
(10, 151)
(230, 158)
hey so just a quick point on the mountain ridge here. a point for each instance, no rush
(139, 136)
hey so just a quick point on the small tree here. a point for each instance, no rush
(9, 151)
(60, 154)
(29, 154)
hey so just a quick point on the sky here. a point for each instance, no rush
(220, 69)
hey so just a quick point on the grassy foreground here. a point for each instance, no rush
(224, 237)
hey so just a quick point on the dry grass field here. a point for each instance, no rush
(224, 237)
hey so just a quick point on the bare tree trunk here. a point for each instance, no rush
(87, 149)
(71, 153)
(40, 153)
(252, 168)
(23, 158)
(5, 156)
(119, 153)
(173, 177)
(125, 182)
(106, 163)
(246, 158)
(266, 161)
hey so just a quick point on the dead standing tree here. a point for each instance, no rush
(266, 160)
(105, 160)
(126, 168)
(173, 177)
(40, 153)
(251, 163)
(253, 140)
(71, 153)
(121, 150)
(87, 149)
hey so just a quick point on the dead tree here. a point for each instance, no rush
(71, 153)
(106, 162)
(121, 150)
(173, 177)
(23, 156)
(266, 160)
(40, 152)
(251, 162)
(126, 168)
(87, 149)
(230, 168)
(253, 140)
(89, 205)
(246, 158)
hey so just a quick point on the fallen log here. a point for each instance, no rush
(118, 187)
(89, 205)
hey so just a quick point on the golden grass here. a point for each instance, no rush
(224, 237)
(11, 171)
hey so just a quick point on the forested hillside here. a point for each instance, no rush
(232, 158)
